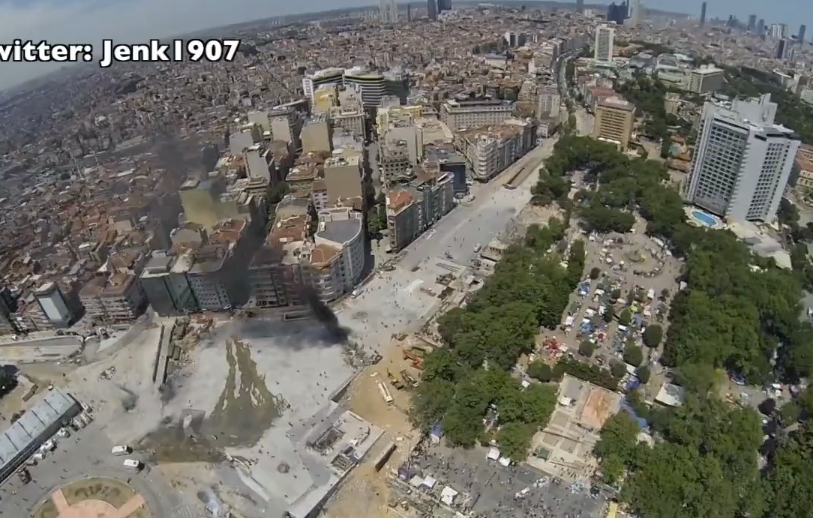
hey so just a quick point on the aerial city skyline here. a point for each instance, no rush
(427, 259)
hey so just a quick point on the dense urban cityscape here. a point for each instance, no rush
(426, 260)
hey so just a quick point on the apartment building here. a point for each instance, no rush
(328, 76)
(116, 299)
(207, 277)
(123, 298)
(245, 137)
(706, 79)
(325, 98)
(54, 303)
(803, 168)
(259, 161)
(9, 323)
(317, 134)
(548, 102)
(490, 150)
(394, 162)
(742, 161)
(286, 125)
(343, 228)
(290, 263)
(165, 284)
(343, 173)
(414, 208)
(458, 115)
(614, 121)
(392, 114)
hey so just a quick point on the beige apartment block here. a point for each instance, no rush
(614, 121)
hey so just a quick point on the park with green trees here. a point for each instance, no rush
(742, 318)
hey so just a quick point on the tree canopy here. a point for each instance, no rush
(528, 289)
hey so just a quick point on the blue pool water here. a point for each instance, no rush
(704, 218)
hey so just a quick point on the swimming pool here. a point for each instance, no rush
(706, 219)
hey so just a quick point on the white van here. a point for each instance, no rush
(133, 464)
(121, 450)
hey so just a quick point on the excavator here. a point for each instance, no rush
(395, 382)
(416, 355)
(408, 379)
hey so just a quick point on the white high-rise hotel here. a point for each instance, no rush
(743, 160)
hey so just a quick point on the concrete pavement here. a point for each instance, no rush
(401, 300)
(87, 454)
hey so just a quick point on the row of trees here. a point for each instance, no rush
(733, 317)
(707, 464)
(647, 95)
(736, 311)
(529, 288)
(791, 112)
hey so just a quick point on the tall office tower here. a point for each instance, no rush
(432, 9)
(761, 27)
(703, 14)
(752, 22)
(785, 50)
(409, 12)
(393, 11)
(635, 13)
(801, 35)
(743, 160)
(579, 6)
(444, 5)
(617, 12)
(388, 10)
(604, 43)
(779, 31)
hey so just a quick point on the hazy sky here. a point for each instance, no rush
(89, 21)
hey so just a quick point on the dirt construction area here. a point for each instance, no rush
(365, 492)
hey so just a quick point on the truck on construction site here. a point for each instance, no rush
(385, 393)
(408, 379)
(395, 382)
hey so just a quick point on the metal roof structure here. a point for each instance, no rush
(30, 429)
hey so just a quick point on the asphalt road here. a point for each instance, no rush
(86, 453)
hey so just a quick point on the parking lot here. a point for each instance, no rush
(636, 273)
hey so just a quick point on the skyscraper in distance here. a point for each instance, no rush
(388, 10)
(752, 22)
(634, 13)
(579, 6)
(703, 14)
(432, 9)
(617, 13)
(604, 43)
(801, 35)
(761, 27)
(444, 5)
